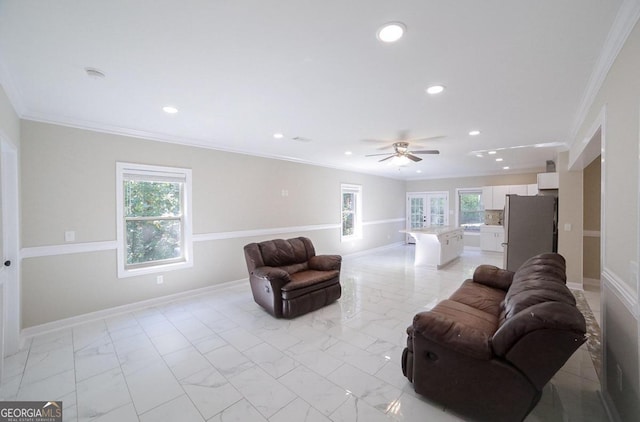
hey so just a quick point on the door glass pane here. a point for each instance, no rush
(417, 212)
(436, 214)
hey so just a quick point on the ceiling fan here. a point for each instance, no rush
(401, 151)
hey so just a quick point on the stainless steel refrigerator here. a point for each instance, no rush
(530, 228)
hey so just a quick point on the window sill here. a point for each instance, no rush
(124, 273)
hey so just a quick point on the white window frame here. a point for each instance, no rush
(357, 217)
(143, 171)
(458, 192)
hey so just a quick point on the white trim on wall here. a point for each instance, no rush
(617, 285)
(39, 251)
(74, 248)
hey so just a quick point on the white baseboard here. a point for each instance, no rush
(575, 285)
(119, 310)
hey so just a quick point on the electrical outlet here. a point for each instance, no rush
(619, 376)
(160, 279)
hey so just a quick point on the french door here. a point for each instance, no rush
(426, 209)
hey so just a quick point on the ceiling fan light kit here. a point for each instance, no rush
(403, 155)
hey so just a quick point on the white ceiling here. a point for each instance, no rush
(241, 70)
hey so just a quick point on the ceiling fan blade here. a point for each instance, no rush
(430, 138)
(413, 157)
(426, 151)
(373, 155)
(388, 158)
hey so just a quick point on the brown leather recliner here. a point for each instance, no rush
(288, 279)
(488, 350)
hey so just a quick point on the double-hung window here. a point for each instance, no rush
(470, 209)
(154, 219)
(351, 200)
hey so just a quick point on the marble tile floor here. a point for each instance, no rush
(219, 357)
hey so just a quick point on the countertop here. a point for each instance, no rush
(437, 230)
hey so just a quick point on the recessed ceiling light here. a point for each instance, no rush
(479, 155)
(491, 152)
(278, 135)
(391, 32)
(498, 159)
(474, 133)
(418, 171)
(435, 89)
(505, 168)
(348, 153)
(170, 109)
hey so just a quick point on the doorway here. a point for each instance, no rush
(426, 209)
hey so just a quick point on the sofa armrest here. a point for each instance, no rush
(452, 335)
(492, 276)
(275, 276)
(325, 262)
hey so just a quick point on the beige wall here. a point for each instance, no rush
(591, 215)
(618, 101)
(68, 183)
(570, 218)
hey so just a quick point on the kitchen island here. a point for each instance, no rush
(436, 246)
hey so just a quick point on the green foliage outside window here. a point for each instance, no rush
(348, 211)
(471, 211)
(153, 218)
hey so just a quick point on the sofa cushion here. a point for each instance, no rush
(479, 296)
(458, 327)
(468, 316)
(280, 252)
(307, 281)
(540, 279)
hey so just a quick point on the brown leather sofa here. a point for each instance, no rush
(488, 350)
(288, 279)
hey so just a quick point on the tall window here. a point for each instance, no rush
(154, 219)
(470, 209)
(351, 196)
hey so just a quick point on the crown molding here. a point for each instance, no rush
(626, 18)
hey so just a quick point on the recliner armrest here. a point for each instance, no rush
(277, 277)
(492, 276)
(325, 262)
(452, 335)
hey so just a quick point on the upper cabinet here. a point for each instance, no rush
(493, 197)
(548, 181)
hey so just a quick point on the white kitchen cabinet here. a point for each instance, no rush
(491, 238)
(493, 197)
(532, 190)
(437, 245)
(548, 181)
(487, 197)
(499, 195)
(518, 190)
